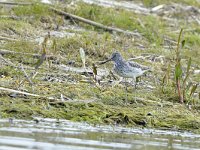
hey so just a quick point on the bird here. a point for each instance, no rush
(126, 69)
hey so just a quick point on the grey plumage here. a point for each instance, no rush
(127, 69)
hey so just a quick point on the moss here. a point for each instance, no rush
(180, 120)
(168, 117)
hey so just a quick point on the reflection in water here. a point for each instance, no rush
(51, 134)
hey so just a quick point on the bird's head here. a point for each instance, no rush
(116, 56)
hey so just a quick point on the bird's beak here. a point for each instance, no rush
(105, 61)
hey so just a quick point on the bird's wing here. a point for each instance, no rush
(137, 65)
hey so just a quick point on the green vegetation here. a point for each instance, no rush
(36, 10)
(122, 19)
(84, 98)
(15, 27)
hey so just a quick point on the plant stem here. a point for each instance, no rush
(179, 91)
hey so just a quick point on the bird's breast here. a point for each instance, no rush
(127, 71)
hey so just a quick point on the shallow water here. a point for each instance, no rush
(51, 134)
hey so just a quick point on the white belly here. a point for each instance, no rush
(133, 73)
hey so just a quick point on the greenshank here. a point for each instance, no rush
(126, 69)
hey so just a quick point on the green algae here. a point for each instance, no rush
(99, 113)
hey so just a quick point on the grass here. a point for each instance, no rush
(122, 19)
(15, 27)
(36, 10)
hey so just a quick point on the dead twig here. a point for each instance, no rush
(9, 17)
(26, 75)
(15, 3)
(12, 64)
(90, 22)
(72, 101)
(52, 100)
(93, 23)
(7, 39)
(4, 52)
(19, 92)
(20, 67)
(196, 19)
(34, 73)
(7, 61)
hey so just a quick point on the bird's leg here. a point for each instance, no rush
(120, 79)
(135, 90)
(136, 81)
(135, 97)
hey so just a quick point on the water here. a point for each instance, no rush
(50, 134)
